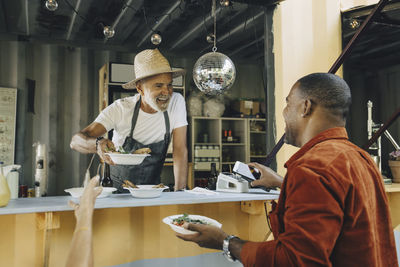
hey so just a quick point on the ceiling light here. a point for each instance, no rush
(224, 2)
(156, 39)
(210, 38)
(108, 32)
(354, 24)
(51, 5)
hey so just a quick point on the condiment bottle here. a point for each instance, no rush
(230, 138)
(107, 182)
(4, 189)
(212, 180)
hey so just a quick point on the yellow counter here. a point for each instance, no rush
(123, 234)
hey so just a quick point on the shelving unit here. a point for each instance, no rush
(257, 140)
(244, 144)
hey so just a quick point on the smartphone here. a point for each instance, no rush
(256, 173)
(246, 171)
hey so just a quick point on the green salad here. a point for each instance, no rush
(185, 218)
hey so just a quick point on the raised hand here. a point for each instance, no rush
(268, 177)
(105, 146)
(208, 236)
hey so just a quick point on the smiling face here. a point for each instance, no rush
(292, 115)
(156, 91)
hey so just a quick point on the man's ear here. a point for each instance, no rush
(307, 108)
(139, 87)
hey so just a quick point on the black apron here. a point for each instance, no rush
(148, 172)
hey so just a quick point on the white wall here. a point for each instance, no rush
(307, 38)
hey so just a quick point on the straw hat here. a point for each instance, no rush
(148, 63)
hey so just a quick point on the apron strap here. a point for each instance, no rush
(135, 115)
(167, 136)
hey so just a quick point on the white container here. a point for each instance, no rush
(127, 159)
(77, 192)
(204, 166)
(146, 191)
(207, 152)
(13, 182)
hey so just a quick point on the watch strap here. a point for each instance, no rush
(97, 141)
(225, 248)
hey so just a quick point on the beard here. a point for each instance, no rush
(159, 103)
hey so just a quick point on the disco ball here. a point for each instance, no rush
(51, 5)
(108, 32)
(214, 73)
(156, 39)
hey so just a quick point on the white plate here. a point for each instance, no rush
(146, 191)
(78, 191)
(179, 229)
(127, 159)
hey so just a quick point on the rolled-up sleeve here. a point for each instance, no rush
(108, 116)
(312, 221)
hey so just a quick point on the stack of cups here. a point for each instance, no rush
(41, 170)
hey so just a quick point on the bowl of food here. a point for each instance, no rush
(121, 157)
(77, 192)
(176, 222)
(145, 190)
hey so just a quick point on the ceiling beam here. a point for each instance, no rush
(194, 31)
(27, 18)
(246, 46)
(127, 24)
(238, 28)
(71, 24)
(117, 20)
(159, 23)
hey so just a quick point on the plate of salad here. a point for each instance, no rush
(122, 157)
(176, 222)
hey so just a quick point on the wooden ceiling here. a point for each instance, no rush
(183, 24)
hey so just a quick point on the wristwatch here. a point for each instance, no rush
(98, 140)
(225, 248)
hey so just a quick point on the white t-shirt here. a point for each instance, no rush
(149, 128)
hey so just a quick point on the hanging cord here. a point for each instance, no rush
(98, 169)
(213, 8)
(266, 215)
(76, 12)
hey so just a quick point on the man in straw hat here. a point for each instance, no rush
(145, 120)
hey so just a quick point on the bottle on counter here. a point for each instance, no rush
(107, 182)
(4, 189)
(212, 180)
(13, 183)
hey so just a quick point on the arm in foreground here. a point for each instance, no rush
(85, 142)
(81, 249)
(268, 177)
(209, 236)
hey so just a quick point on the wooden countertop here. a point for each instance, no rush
(391, 188)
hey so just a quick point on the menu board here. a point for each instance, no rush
(8, 116)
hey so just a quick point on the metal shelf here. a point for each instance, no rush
(233, 144)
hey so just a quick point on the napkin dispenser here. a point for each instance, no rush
(229, 182)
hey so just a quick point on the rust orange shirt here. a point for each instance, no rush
(332, 210)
